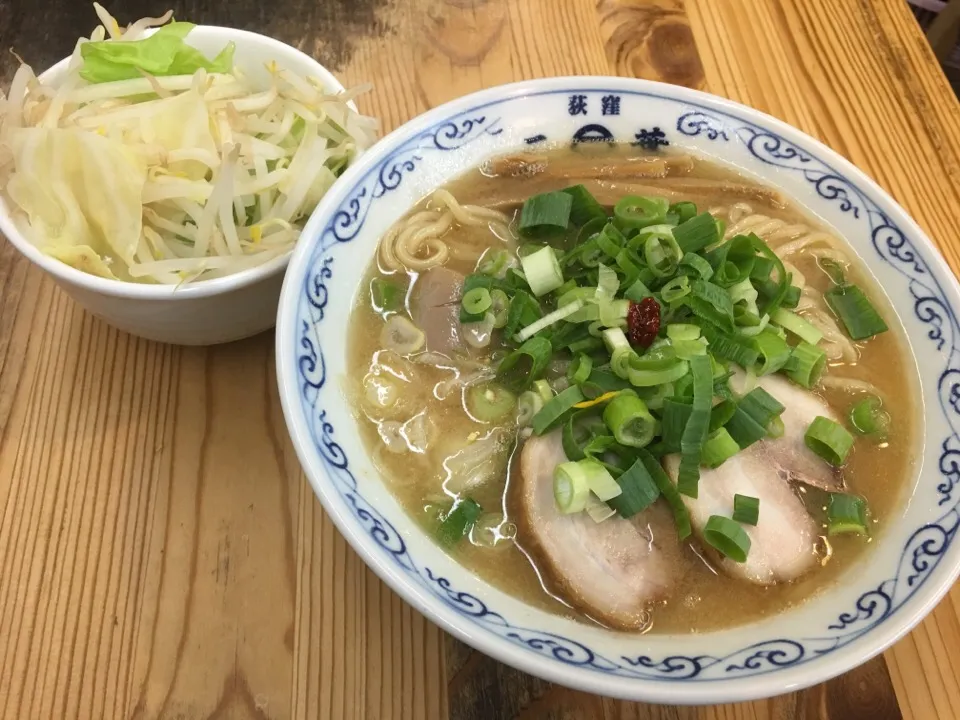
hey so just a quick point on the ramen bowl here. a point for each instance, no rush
(914, 559)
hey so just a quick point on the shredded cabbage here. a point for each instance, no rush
(149, 162)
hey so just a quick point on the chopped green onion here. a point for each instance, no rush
(550, 319)
(698, 266)
(806, 364)
(614, 313)
(629, 420)
(584, 430)
(614, 339)
(730, 347)
(477, 301)
(514, 279)
(718, 448)
(791, 298)
(598, 510)
(545, 214)
(500, 307)
(603, 381)
(458, 522)
(686, 349)
(846, 514)
(761, 406)
(797, 325)
(599, 479)
(728, 537)
(520, 368)
(639, 491)
(859, 317)
(683, 331)
(662, 254)
(621, 361)
(750, 325)
(553, 411)
(529, 248)
(711, 303)
(733, 261)
(386, 296)
(629, 263)
(868, 417)
(581, 431)
(589, 310)
(635, 212)
(695, 433)
(744, 430)
(776, 428)
(494, 262)
(683, 210)
(681, 516)
(652, 378)
(607, 284)
(607, 243)
(773, 351)
(589, 230)
(528, 405)
(755, 411)
(746, 509)
(579, 370)
(744, 294)
(471, 283)
(829, 440)
(773, 290)
(720, 414)
(675, 289)
(523, 311)
(587, 345)
(762, 267)
(638, 291)
(674, 416)
(568, 286)
(697, 233)
(584, 207)
(542, 388)
(834, 270)
(489, 402)
(570, 487)
(542, 271)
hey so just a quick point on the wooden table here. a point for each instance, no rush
(161, 555)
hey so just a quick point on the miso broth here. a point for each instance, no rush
(413, 400)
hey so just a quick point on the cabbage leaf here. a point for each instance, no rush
(181, 122)
(82, 257)
(78, 189)
(162, 53)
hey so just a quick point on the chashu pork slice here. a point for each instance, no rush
(783, 543)
(801, 407)
(612, 571)
(435, 307)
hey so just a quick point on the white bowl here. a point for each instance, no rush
(202, 313)
(915, 559)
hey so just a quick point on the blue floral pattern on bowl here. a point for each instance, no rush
(920, 554)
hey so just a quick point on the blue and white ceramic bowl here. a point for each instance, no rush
(916, 558)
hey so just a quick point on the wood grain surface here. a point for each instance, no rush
(161, 555)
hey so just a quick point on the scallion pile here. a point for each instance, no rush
(652, 307)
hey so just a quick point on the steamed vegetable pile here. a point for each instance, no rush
(652, 310)
(151, 162)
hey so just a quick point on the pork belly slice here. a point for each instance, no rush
(783, 543)
(612, 571)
